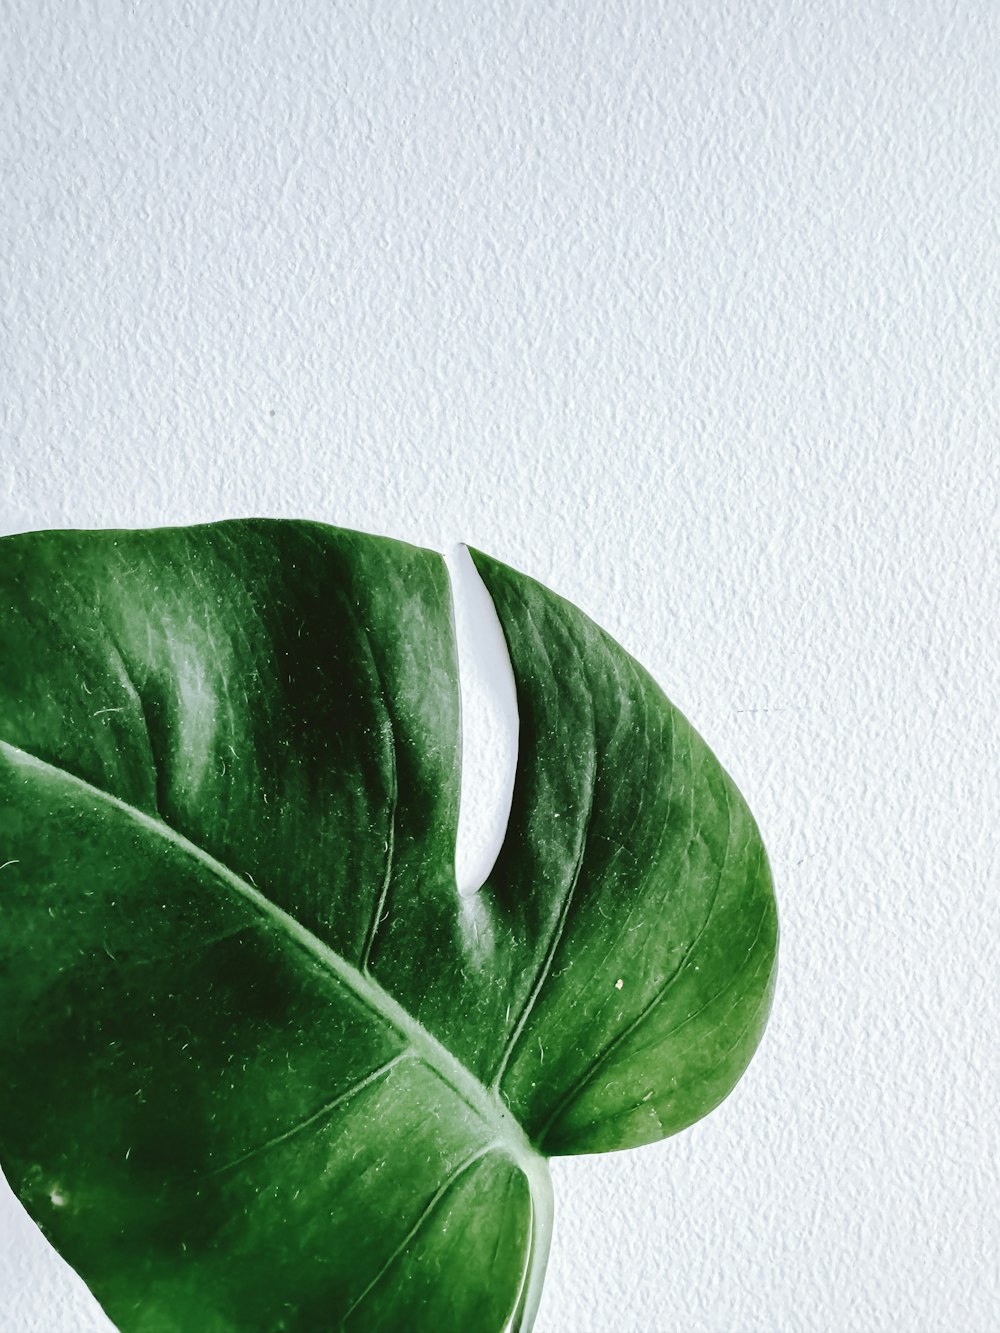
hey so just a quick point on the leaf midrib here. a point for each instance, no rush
(436, 1056)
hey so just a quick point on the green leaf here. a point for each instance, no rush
(264, 1067)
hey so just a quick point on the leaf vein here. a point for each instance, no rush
(379, 909)
(384, 1006)
(308, 1120)
(561, 921)
(466, 1165)
(603, 1056)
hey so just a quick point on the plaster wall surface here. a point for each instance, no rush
(691, 311)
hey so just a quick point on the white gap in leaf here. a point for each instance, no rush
(489, 724)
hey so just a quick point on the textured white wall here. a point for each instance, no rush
(691, 311)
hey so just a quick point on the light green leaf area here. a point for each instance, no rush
(263, 1067)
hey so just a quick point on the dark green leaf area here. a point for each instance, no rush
(283, 694)
(205, 1119)
(631, 904)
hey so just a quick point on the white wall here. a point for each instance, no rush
(691, 311)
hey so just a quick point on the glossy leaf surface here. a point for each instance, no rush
(264, 1067)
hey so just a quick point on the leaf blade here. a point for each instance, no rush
(661, 831)
(157, 1156)
(254, 725)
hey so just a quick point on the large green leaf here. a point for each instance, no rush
(263, 1067)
